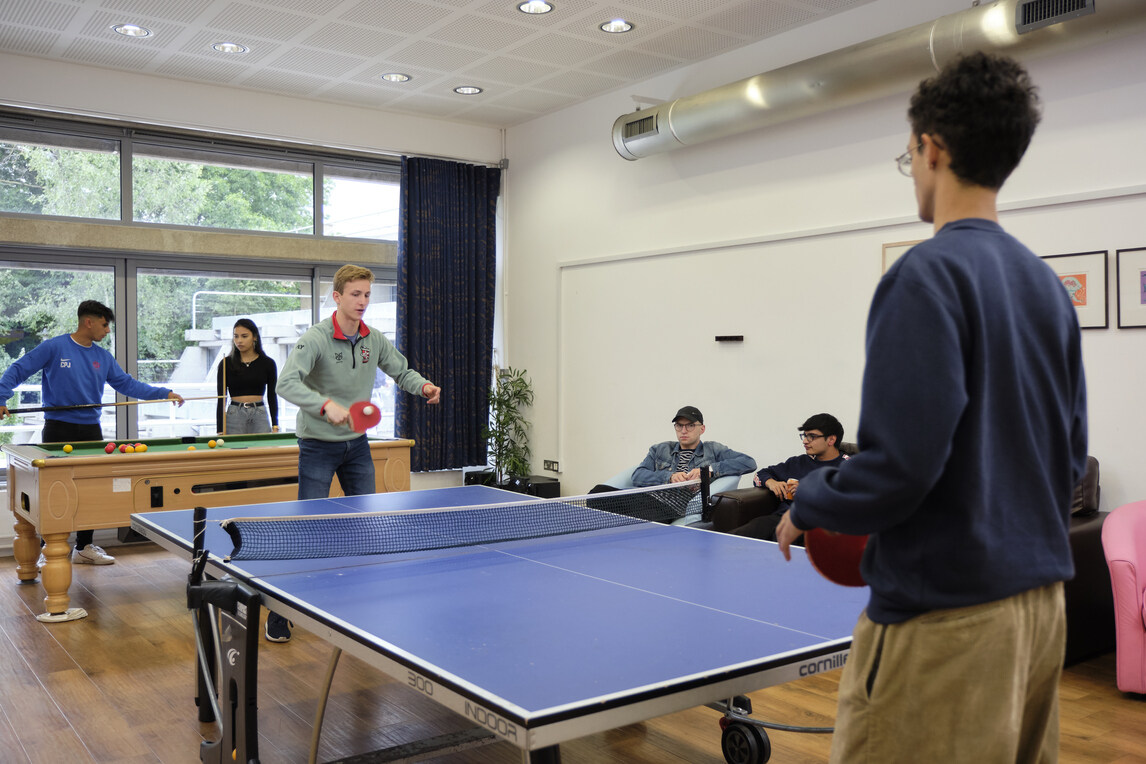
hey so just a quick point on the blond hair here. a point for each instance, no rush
(351, 273)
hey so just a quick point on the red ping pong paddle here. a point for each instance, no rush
(836, 556)
(364, 415)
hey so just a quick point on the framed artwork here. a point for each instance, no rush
(1084, 277)
(895, 250)
(1131, 265)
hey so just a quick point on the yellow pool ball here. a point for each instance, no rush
(129, 449)
(68, 448)
(190, 448)
(141, 447)
(211, 444)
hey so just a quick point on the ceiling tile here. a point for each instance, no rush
(433, 55)
(260, 22)
(354, 40)
(335, 50)
(183, 12)
(203, 69)
(315, 61)
(34, 42)
(406, 17)
(580, 83)
(570, 51)
(510, 70)
(690, 43)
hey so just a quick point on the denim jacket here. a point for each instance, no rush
(660, 462)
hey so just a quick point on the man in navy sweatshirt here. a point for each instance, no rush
(972, 435)
(821, 435)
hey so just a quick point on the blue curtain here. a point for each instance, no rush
(446, 261)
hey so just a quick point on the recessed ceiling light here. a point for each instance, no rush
(131, 30)
(230, 47)
(616, 26)
(467, 90)
(396, 77)
(535, 6)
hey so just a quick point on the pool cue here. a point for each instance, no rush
(102, 405)
(224, 362)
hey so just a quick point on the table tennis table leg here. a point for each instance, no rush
(228, 618)
(205, 677)
(550, 755)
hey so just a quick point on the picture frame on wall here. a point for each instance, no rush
(1130, 265)
(1083, 275)
(895, 250)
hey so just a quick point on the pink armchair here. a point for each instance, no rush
(1124, 543)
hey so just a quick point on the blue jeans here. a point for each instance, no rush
(320, 460)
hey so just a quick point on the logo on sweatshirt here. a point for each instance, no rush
(364, 354)
(338, 357)
(65, 363)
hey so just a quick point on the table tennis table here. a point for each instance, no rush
(544, 640)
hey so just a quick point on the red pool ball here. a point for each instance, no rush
(123, 449)
(110, 447)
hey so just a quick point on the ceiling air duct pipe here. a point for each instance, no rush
(891, 64)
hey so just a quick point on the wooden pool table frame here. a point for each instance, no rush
(52, 496)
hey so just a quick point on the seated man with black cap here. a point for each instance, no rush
(680, 460)
(675, 461)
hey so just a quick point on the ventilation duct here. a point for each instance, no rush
(891, 64)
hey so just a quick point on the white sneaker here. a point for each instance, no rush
(91, 555)
(40, 563)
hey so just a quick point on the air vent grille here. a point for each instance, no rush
(639, 127)
(1035, 14)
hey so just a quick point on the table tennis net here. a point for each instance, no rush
(379, 533)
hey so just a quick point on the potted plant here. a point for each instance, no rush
(508, 429)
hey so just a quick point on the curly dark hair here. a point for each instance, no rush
(983, 109)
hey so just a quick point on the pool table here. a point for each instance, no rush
(53, 494)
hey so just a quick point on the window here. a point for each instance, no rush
(182, 186)
(45, 173)
(40, 303)
(360, 203)
(185, 322)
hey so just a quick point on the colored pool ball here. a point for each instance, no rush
(140, 447)
(211, 444)
(68, 448)
(123, 448)
(129, 449)
(109, 448)
(190, 448)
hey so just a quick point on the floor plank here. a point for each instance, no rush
(118, 687)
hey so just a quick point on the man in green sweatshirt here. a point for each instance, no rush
(333, 366)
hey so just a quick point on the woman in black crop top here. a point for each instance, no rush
(245, 375)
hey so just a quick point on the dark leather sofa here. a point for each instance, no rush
(1089, 599)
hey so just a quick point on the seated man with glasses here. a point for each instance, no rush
(821, 436)
(680, 460)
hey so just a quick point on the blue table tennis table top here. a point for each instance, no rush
(548, 639)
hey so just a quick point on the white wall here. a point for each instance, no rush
(620, 274)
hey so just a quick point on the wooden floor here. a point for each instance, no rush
(118, 687)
